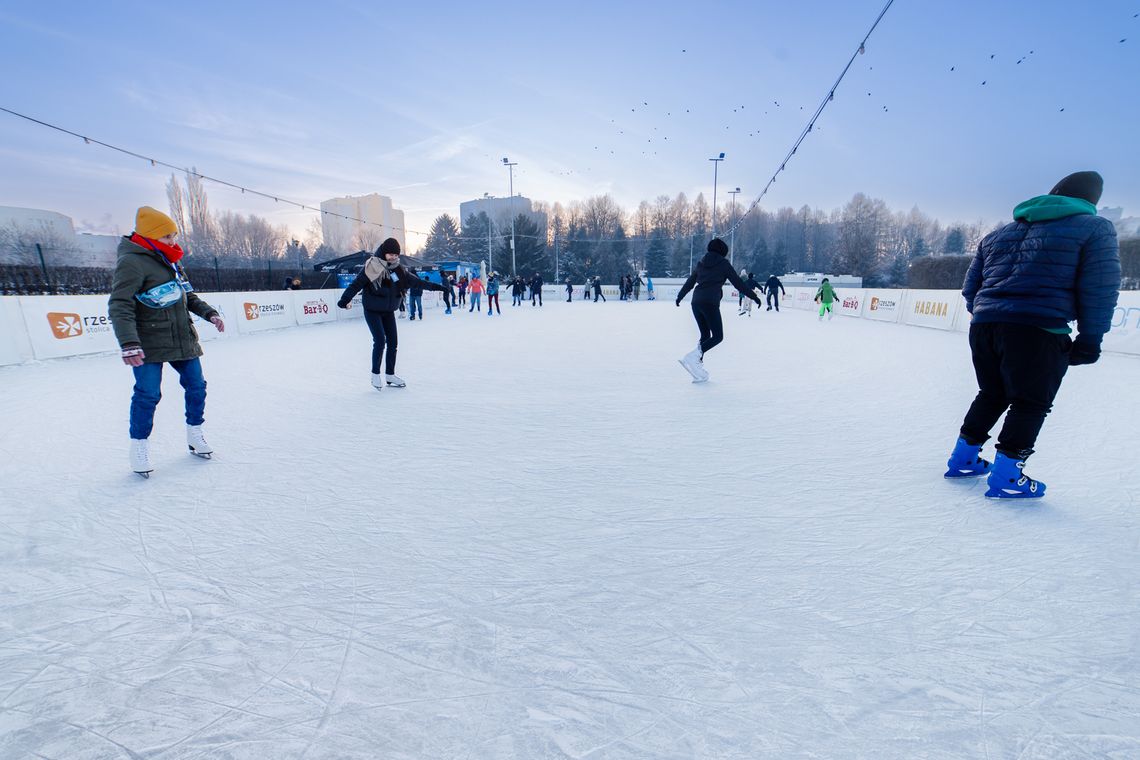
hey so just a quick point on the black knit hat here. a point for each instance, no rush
(716, 245)
(391, 245)
(1087, 186)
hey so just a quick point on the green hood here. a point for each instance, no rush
(1046, 207)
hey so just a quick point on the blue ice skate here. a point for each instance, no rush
(1008, 480)
(966, 461)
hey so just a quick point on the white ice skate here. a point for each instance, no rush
(196, 442)
(377, 381)
(140, 457)
(692, 364)
(394, 381)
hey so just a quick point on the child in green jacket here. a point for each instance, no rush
(826, 298)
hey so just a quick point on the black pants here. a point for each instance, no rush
(1019, 368)
(598, 294)
(708, 322)
(382, 324)
(774, 297)
(536, 293)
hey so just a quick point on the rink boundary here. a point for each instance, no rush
(51, 327)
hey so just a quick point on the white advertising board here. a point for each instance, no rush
(932, 308)
(803, 298)
(883, 305)
(851, 302)
(265, 310)
(311, 307)
(14, 346)
(224, 303)
(355, 308)
(67, 325)
(1124, 335)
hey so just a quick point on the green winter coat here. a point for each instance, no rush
(826, 294)
(165, 335)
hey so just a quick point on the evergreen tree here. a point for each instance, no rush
(956, 242)
(473, 243)
(655, 256)
(530, 250)
(443, 243)
(760, 261)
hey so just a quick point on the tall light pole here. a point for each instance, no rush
(511, 167)
(732, 232)
(490, 256)
(716, 164)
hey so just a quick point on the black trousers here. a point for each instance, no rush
(772, 296)
(493, 302)
(1019, 368)
(709, 324)
(536, 293)
(382, 325)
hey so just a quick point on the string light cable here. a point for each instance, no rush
(215, 180)
(815, 117)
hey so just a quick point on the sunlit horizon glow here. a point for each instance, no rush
(420, 105)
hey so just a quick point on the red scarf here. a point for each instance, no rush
(172, 253)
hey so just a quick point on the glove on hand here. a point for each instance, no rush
(1083, 352)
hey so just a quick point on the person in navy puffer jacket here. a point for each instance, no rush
(1056, 262)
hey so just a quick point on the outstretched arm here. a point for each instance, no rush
(742, 286)
(689, 283)
(350, 292)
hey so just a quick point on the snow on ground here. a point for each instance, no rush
(552, 545)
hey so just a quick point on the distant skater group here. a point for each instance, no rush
(1057, 262)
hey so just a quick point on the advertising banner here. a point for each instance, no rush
(851, 302)
(1124, 335)
(224, 303)
(14, 347)
(67, 325)
(265, 310)
(355, 308)
(804, 298)
(883, 305)
(932, 308)
(311, 307)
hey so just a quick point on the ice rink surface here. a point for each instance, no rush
(552, 545)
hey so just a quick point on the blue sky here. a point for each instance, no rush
(420, 103)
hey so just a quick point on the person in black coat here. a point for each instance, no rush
(536, 289)
(383, 283)
(708, 279)
(598, 289)
(771, 287)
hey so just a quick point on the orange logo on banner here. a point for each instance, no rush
(65, 325)
(874, 303)
(251, 311)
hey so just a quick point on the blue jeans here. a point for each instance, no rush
(475, 299)
(148, 391)
(415, 306)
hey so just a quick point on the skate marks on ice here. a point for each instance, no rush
(584, 558)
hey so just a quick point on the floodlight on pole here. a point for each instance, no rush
(732, 231)
(716, 164)
(511, 167)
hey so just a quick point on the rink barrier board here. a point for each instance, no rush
(52, 327)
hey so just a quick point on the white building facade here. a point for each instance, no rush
(26, 234)
(379, 221)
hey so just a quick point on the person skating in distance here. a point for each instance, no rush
(708, 279)
(383, 282)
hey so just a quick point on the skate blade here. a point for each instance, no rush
(144, 475)
(958, 475)
(682, 363)
(997, 493)
(202, 455)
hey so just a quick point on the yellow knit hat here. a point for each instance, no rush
(152, 223)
